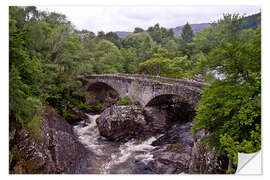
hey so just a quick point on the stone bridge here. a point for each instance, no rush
(145, 89)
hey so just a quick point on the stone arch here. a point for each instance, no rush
(97, 86)
(101, 94)
(176, 107)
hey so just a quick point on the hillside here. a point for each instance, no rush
(251, 21)
(122, 34)
(195, 27)
(177, 30)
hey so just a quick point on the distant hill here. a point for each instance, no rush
(177, 30)
(251, 21)
(122, 34)
(195, 27)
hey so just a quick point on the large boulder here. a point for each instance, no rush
(120, 123)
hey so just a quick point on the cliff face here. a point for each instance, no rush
(55, 151)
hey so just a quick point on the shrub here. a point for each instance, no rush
(70, 115)
(124, 101)
(84, 107)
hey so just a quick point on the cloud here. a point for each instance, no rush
(126, 18)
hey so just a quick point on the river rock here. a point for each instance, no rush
(157, 120)
(178, 133)
(56, 150)
(178, 152)
(175, 149)
(119, 123)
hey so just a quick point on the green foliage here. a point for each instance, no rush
(134, 40)
(138, 30)
(96, 106)
(47, 54)
(234, 118)
(114, 38)
(83, 106)
(125, 101)
(230, 109)
(155, 66)
(185, 45)
(160, 34)
(34, 126)
(186, 34)
(70, 115)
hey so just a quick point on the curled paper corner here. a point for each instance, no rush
(249, 163)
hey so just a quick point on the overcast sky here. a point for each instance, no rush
(126, 18)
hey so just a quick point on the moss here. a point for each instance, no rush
(124, 101)
(34, 127)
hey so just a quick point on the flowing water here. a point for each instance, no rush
(109, 157)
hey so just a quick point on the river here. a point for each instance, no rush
(109, 157)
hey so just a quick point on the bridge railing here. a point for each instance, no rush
(155, 78)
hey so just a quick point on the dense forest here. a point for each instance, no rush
(47, 54)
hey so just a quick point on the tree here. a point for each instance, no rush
(186, 34)
(114, 38)
(185, 41)
(171, 45)
(155, 66)
(137, 30)
(230, 109)
(160, 34)
(24, 70)
(86, 35)
(101, 35)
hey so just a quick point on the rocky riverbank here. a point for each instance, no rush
(176, 151)
(56, 150)
(122, 140)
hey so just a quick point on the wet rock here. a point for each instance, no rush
(56, 150)
(142, 168)
(157, 120)
(171, 159)
(178, 153)
(178, 133)
(81, 115)
(120, 123)
(205, 160)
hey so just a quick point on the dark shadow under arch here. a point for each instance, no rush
(101, 95)
(176, 107)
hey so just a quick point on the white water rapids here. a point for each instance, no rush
(110, 157)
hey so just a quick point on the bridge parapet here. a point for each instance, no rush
(153, 78)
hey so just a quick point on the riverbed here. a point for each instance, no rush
(136, 156)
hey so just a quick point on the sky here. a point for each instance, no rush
(126, 18)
